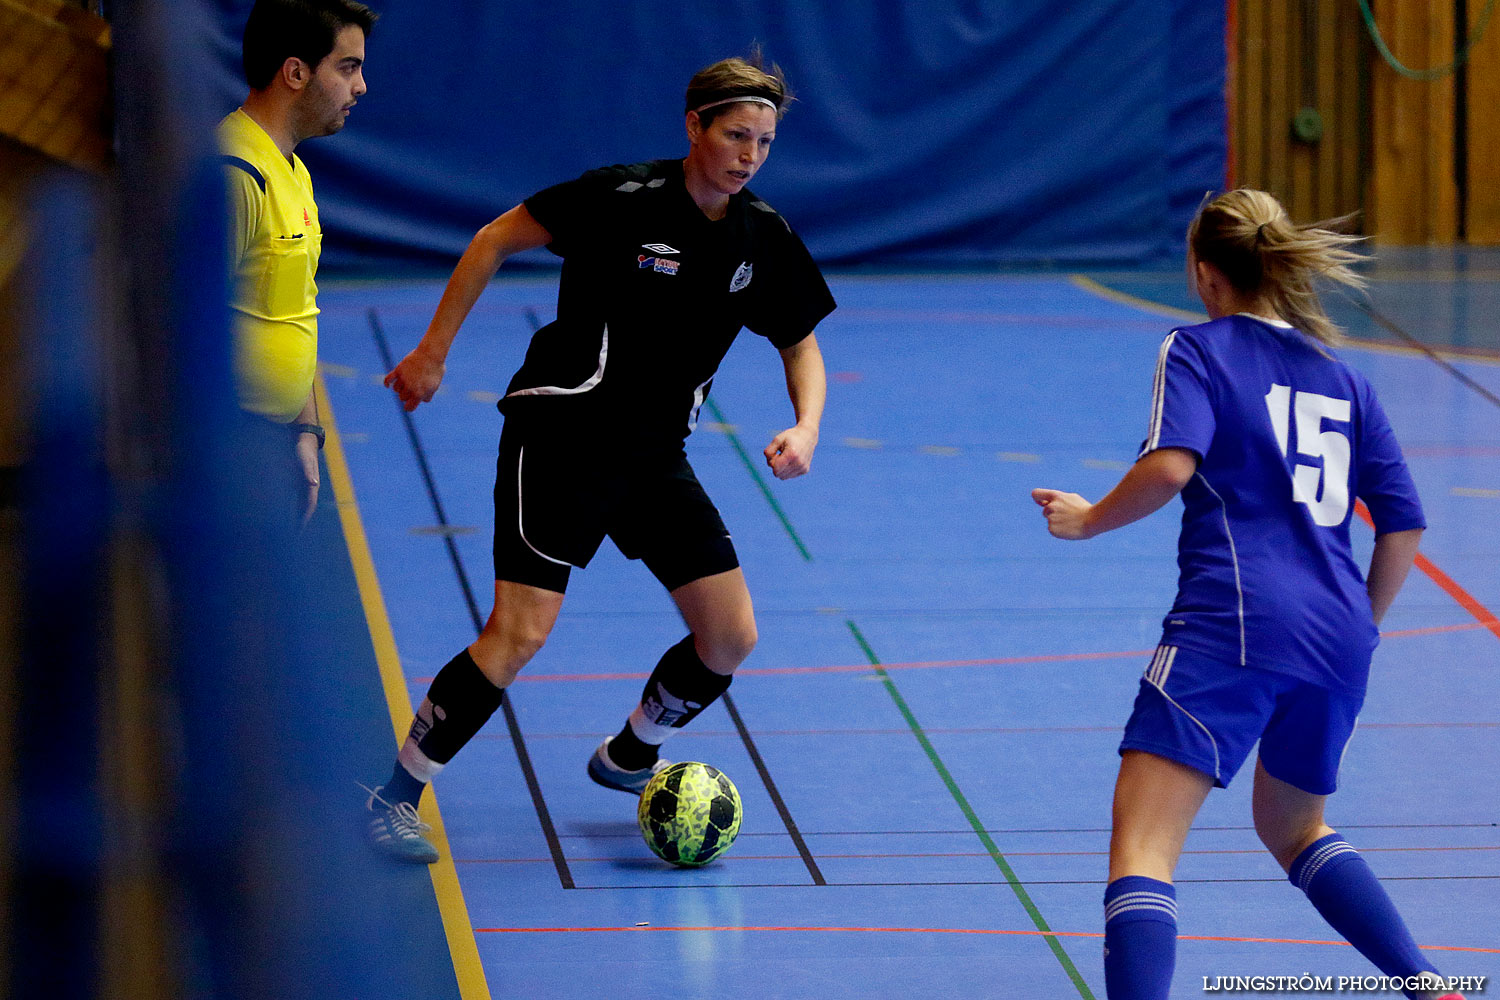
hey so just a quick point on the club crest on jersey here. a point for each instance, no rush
(741, 277)
(659, 248)
(658, 264)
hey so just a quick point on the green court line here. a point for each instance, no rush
(969, 814)
(760, 481)
(911, 720)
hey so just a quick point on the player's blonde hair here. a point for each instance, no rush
(1248, 236)
(737, 77)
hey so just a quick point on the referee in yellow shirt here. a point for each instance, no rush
(303, 61)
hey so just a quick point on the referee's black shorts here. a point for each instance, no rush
(556, 497)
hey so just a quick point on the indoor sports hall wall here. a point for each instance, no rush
(947, 133)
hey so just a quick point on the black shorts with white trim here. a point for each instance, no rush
(558, 494)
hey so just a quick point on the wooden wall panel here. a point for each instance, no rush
(1388, 142)
(1352, 111)
(1277, 112)
(54, 93)
(1482, 215)
(1293, 54)
(1413, 194)
(1249, 156)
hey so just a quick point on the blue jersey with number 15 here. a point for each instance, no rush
(1287, 438)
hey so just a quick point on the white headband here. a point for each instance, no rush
(736, 100)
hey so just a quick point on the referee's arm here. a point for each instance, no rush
(420, 373)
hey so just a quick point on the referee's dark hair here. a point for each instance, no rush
(281, 29)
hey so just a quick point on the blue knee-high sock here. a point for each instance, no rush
(1140, 938)
(1349, 896)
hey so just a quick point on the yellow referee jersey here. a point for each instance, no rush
(274, 244)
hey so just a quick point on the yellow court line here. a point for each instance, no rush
(450, 898)
(1135, 301)
(1172, 312)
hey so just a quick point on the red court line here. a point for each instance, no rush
(704, 733)
(1453, 450)
(1403, 633)
(956, 316)
(845, 668)
(999, 661)
(1482, 614)
(940, 930)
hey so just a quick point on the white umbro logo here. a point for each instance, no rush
(659, 248)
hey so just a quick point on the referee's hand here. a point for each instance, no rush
(790, 453)
(307, 459)
(416, 379)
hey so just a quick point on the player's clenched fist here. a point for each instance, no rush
(790, 453)
(416, 379)
(1066, 513)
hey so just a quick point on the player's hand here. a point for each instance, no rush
(416, 378)
(307, 460)
(1067, 514)
(790, 453)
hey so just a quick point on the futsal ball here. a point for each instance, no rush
(689, 813)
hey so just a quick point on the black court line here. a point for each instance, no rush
(1091, 882)
(1390, 326)
(765, 777)
(744, 733)
(554, 846)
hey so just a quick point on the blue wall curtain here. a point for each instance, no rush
(928, 133)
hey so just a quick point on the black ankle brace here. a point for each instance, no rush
(463, 699)
(681, 687)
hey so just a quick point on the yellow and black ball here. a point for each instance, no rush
(689, 814)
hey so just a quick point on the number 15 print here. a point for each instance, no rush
(1330, 504)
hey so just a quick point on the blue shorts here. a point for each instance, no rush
(1208, 714)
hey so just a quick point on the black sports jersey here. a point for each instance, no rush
(652, 295)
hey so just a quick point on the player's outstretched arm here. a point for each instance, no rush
(790, 453)
(420, 373)
(1153, 481)
(1395, 551)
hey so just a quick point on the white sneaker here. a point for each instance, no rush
(396, 830)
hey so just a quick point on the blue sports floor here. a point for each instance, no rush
(925, 737)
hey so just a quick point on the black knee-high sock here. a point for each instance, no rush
(679, 689)
(458, 704)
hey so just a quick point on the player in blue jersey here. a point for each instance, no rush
(1269, 439)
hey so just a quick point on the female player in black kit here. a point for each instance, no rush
(663, 263)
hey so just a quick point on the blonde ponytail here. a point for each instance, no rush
(1248, 236)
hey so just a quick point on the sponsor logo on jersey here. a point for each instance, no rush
(659, 248)
(305, 220)
(658, 264)
(741, 277)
